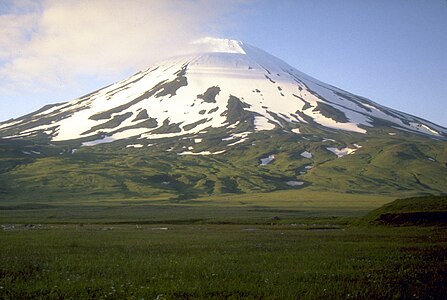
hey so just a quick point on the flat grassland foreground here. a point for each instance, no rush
(280, 256)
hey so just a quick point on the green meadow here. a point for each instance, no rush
(279, 245)
(264, 208)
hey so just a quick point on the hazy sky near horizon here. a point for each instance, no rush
(393, 52)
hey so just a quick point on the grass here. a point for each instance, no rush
(277, 207)
(222, 262)
(428, 210)
(279, 245)
(402, 165)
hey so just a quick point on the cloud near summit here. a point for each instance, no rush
(50, 44)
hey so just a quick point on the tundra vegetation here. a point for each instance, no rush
(282, 245)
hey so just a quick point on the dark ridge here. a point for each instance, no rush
(323, 99)
(277, 118)
(213, 110)
(202, 112)
(37, 121)
(307, 118)
(284, 116)
(151, 70)
(357, 100)
(354, 99)
(195, 124)
(271, 80)
(326, 100)
(331, 112)
(116, 121)
(382, 122)
(306, 103)
(142, 115)
(236, 110)
(148, 123)
(167, 128)
(171, 88)
(161, 89)
(112, 93)
(108, 114)
(295, 77)
(210, 94)
(390, 112)
(296, 117)
(307, 106)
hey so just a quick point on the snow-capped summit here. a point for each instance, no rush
(224, 84)
(209, 44)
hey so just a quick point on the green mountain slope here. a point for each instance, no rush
(403, 165)
(428, 210)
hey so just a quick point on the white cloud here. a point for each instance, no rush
(15, 29)
(52, 43)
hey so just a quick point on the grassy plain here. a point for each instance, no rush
(281, 206)
(212, 261)
(280, 245)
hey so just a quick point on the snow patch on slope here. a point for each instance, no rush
(240, 135)
(265, 161)
(342, 151)
(237, 142)
(262, 123)
(306, 154)
(134, 146)
(202, 153)
(104, 140)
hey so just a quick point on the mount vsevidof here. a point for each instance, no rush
(230, 119)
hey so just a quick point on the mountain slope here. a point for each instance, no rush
(401, 165)
(187, 95)
(230, 119)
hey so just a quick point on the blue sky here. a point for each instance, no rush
(393, 52)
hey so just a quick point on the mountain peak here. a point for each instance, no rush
(267, 125)
(210, 44)
(226, 85)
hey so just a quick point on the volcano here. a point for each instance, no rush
(230, 84)
(257, 124)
